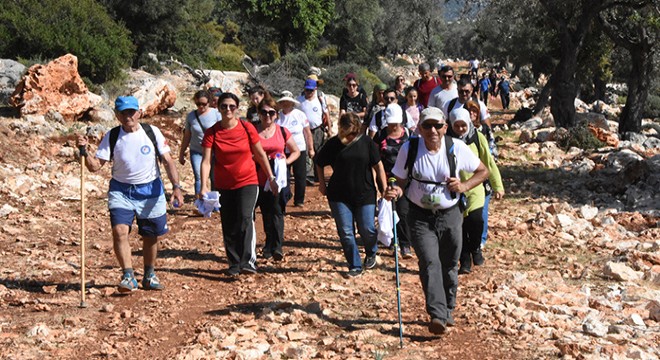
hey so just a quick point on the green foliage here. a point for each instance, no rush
(227, 57)
(52, 28)
(328, 54)
(652, 106)
(579, 137)
(401, 62)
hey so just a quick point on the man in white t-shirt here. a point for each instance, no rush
(446, 90)
(136, 189)
(465, 94)
(313, 104)
(433, 190)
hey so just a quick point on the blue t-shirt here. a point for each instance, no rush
(484, 85)
(196, 132)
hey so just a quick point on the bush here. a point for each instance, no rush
(652, 106)
(52, 28)
(227, 57)
(579, 137)
(401, 62)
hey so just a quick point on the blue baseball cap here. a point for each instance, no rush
(126, 102)
(310, 84)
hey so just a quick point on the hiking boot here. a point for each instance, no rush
(450, 320)
(406, 253)
(248, 270)
(478, 258)
(278, 256)
(127, 284)
(437, 326)
(353, 273)
(152, 282)
(370, 261)
(465, 268)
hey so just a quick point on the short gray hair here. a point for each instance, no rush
(424, 67)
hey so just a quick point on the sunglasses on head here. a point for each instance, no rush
(437, 126)
(231, 107)
(270, 113)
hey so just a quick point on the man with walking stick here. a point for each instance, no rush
(136, 189)
(428, 178)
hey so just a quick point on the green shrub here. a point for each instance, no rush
(579, 137)
(652, 106)
(149, 65)
(52, 28)
(227, 57)
(401, 62)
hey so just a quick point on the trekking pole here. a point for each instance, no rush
(391, 182)
(83, 154)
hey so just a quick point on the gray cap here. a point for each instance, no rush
(431, 113)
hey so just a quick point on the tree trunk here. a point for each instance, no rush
(542, 101)
(638, 85)
(516, 70)
(564, 84)
(599, 87)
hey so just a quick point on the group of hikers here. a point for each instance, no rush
(433, 137)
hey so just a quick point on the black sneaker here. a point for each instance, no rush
(233, 271)
(248, 270)
(464, 269)
(370, 261)
(437, 326)
(278, 256)
(354, 273)
(478, 258)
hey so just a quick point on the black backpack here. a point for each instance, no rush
(114, 136)
(413, 143)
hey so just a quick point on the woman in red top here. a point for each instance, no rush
(274, 139)
(234, 143)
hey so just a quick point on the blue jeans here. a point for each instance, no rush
(345, 216)
(196, 162)
(484, 234)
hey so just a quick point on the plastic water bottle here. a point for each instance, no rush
(176, 203)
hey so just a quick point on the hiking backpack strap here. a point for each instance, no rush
(246, 131)
(451, 159)
(114, 135)
(413, 143)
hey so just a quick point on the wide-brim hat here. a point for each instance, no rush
(288, 98)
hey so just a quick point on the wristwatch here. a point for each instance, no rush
(176, 186)
(273, 178)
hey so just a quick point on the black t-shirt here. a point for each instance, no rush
(389, 149)
(253, 116)
(352, 181)
(353, 104)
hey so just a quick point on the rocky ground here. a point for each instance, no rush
(570, 272)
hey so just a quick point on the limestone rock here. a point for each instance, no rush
(10, 74)
(532, 124)
(228, 81)
(621, 272)
(57, 86)
(154, 95)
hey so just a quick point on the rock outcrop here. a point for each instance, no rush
(56, 86)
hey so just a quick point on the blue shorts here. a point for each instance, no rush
(146, 202)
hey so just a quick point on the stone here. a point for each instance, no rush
(594, 328)
(654, 310)
(10, 75)
(40, 330)
(7, 209)
(621, 272)
(57, 86)
(526, 136)
(607, 137)
(107, 308)
(228, 81)
(532, 124)
(592, 118)
(154, 95)
(102, 115)
(636, 320)
(618, 160)
(588, 212)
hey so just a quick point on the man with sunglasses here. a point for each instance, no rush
(432, 190)
(446, 90)
(378, 122)
(315, 108)
(465, 94)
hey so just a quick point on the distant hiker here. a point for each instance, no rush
(351, 191)
(376, 104)
(492, 77)
(314, 104)
(378, 123)
(465, 91)
(234, 146)
(256, 94)
(136, 189)
(483, 86)
(474, 67)
(429, 179)
(426, 83)
(412, 107)
(446, 90)
(504, 89)
(196, 124)
(353, 100)
(473, 222)
(400, 88)
(274, 140)
(296, 122)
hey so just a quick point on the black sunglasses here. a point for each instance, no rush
(437, 126)
(391, 98)
(270, 113)
(227, 107)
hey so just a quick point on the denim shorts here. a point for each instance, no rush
(146, 202)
